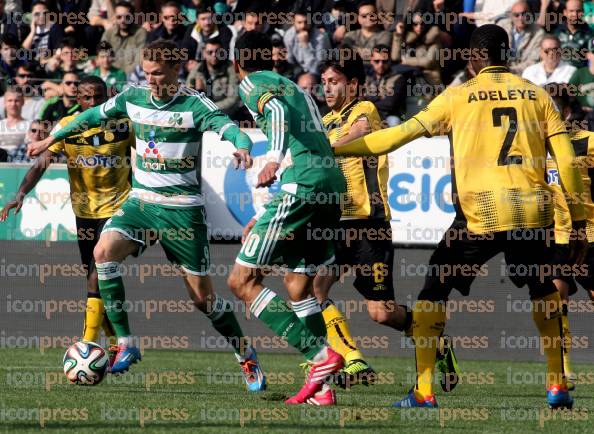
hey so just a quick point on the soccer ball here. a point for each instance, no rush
(85, 363)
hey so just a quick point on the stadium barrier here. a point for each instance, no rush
(419, 194)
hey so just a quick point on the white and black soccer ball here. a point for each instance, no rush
(85, 363)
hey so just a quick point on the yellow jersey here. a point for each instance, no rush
(498, 124)
(98, 162)
(366, 177)
(583, 144)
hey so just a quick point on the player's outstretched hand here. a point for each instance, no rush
(242, 159)
(268, 174)
(247, 229)
(578, 246)
(15, 203)
(36, 148)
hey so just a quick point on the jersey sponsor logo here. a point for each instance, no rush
(160, 118)
(106, 161)
(553, 177)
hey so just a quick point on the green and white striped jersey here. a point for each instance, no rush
(292, 123)
(168, 141)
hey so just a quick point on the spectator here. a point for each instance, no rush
(14, 128)
(125, 37)
(24, 80)
(310, 84)
(582, 81)
(75, 28)
(216, 77)
(488, 11)
(279, 59)
(369, 35)
(550, 13)
(10, 24)
(385, 87)
(524, 37)
(102, 14)
(172, 26)
(9, 61)
(34, 134)
(387, 9)
(251, 20)
(204, 29)
(336, 22)
(418, 46)
(137, 76)
(60, 106)
(550, 69)
(44, 36)
(306, 46)
(66, 59)
(113, 77)
(574, 34)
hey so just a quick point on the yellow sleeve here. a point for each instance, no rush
(553, 122)
(569, 175)
(58, 147)
(367, 110)
(383, 141)
(436, 117)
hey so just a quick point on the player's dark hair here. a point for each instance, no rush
(39, 2)
(253, 52)
(93, 80)
(349, 64)
(492, 41)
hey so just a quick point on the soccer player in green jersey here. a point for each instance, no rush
(289, 231)
(165, 202)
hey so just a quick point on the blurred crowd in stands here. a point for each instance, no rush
(412, 50)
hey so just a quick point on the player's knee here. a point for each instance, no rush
(240, 282)
(101, 253)
(380, 316)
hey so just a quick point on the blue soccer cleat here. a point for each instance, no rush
(558, 397)
(254, 377)
(125, 357)
(411, 401)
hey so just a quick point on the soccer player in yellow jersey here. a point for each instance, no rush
(363, 240)
(500, 128)
(99, 170)
(564, 271)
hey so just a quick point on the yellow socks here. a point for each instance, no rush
(428, 324)
(338, 333)
(93, 319)
(566, 340)
(547, 315)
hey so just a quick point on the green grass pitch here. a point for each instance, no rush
(189, 392)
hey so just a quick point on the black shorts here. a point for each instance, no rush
(461, 256)
(366, 246)
(568, 272)
(87, 234)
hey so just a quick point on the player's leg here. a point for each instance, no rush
(429, 312)
(190, 250)
(278, 238)
(586, 275)
(126, 233)
(88, 231)
(531, 250)
(565, 284)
